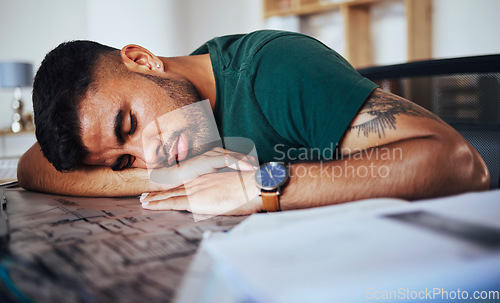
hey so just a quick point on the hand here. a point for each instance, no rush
(229, 193)
(206, 163)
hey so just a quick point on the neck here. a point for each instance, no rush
(197, 70)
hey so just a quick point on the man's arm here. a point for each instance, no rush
(35, 172)
(393, 148)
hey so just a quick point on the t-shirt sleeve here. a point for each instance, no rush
(307, 91)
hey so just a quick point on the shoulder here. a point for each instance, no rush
(236, 52)
(253, 40)
(306, 89)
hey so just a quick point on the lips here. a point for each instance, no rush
(179, 150)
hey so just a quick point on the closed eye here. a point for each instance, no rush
(123, 162)
(133, 124)
(131, 160)
(120, 163)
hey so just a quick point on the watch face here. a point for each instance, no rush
(271, 175)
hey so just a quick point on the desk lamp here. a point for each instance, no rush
(16, 75)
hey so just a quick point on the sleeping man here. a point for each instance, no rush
(126, 122)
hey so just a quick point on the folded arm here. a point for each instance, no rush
(35, 172)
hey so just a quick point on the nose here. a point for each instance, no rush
(148, 150)
(153, 151)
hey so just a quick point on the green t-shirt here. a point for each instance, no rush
(290, 94)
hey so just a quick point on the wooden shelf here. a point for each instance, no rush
(307, 8)
(8, 132)
(357, 23)
(419, 29)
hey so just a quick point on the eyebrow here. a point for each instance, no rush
(118, 127)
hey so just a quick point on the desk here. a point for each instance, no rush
(68, 249)
(74, 249)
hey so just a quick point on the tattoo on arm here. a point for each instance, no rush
(384, 107)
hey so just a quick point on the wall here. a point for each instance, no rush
(169, 27)
(149, 23)
(460, 28)
(389, 33)
(466, 28)
(30, 28)
(206, 19)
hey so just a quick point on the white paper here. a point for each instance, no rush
(325, 255)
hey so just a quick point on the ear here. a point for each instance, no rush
(138, 59)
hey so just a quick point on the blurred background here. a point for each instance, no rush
(31, 28)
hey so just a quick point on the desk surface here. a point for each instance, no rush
(68, 249)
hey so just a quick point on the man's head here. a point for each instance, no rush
(62, 80)
(98, 105)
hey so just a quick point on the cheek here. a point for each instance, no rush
(97, 159)
(163, 125)
(149, 118)
(150, 129)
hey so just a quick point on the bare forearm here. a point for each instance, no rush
(400, 170)
(36, 173)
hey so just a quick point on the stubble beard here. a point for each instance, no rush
(201, 130)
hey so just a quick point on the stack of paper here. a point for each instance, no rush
(8, 169)
(373, 250)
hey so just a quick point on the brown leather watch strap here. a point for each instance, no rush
(270, 201)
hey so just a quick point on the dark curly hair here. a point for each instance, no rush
(64, 77)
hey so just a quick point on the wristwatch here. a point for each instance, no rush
(270, 178)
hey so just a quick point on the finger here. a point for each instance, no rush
(161, 195)
(252, 160)
(209, 164)
(234, 159)
(172, 203)
(206, 163)
(243, 164)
